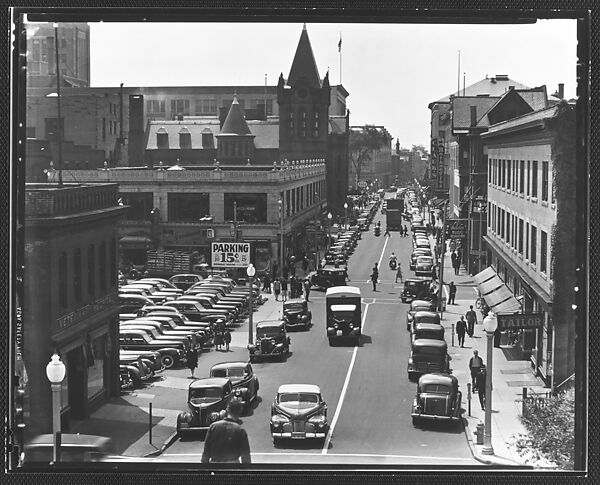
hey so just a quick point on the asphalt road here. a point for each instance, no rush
(366, 387)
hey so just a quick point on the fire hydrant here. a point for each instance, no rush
(479, 431)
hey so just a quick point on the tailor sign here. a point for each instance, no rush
(230, 255)
(520, 321)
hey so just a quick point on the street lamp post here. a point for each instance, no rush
(250, 271)
(58, 127)
(346, 216)
(55, 370)
(490, 324)
(280, 202)
(329, 217)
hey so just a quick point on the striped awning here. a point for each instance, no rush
(494, 291)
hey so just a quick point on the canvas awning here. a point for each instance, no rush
(136, 242)
(494, 291)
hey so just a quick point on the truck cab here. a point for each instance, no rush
(343, 310)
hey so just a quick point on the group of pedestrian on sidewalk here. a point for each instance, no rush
(467, 326)
(291, 287)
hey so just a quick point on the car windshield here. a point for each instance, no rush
(428, 319)
(228, 372)
(268, 331)
(299, 399)
(294, 306)
(411, 284)
(341, 315)
(436, 388)
(204, 393)
(424, 260)
(186, 279)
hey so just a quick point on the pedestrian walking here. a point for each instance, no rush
(405, 231)
(451, 293)
(453, 257)
(227, 339)
(387, 232)
(276, 288)
(191, 358)
(218, 339)
(471, 317)
(304, 264)
(475, 365)
(458, 260)
(480, 380)
(346, 277)
(226, 440)
(284, 289)
(399, 274)
(374, 277)
(306, 289)
(461, 329)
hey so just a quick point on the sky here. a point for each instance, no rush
(392, 71)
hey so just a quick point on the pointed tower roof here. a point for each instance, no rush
(235, 123)
(304, 65)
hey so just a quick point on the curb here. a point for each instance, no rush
(170, 440)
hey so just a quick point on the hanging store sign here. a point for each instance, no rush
(230, 255)
(520, 321)
(456, 229)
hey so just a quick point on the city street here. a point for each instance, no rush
(367, 389)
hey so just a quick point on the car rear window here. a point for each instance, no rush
(298, 397)
(436, 388)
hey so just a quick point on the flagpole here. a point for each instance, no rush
(340, 51)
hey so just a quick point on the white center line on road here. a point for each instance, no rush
(344, 389)
(382, 252)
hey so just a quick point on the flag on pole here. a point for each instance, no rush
(340, 44)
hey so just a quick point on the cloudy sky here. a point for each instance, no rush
(392, 71)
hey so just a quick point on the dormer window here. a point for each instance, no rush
(207, 139)
(185, 138)
(162, 138)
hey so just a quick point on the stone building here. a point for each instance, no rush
(70, 298)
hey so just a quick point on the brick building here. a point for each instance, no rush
(70, 297)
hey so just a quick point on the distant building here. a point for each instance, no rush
(70, 298)
(532, 227)
(74, 55)
(375, 164)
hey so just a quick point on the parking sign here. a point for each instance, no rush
(230, 255)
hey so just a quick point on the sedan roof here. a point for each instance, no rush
(293, 388)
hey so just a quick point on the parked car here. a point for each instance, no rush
(139, 369)
(184, 281)
(427, 356)
(194, 311)
(431, 331)
(424, 266)
(245, 383)
(417, 289)
(299, 412)
(327, 277)
(271, 340)
(172, 352)
(207, 402)
(296, 314)
(125, 378)
(151, 357)
(416, 253)
(130, 303)
(437, 399)
(421, 313)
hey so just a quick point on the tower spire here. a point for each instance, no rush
(304, 64)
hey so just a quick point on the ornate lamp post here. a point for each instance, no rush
(329, 217)
(490, 324)
(55, 370)
(250, 271)
(346, 216)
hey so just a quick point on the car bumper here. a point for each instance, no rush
(332, 332)
(298, 436)
(434, 417)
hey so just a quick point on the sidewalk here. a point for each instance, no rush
(509, 376)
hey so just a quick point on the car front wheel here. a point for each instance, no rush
(168, 361)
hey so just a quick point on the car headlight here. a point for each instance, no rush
(335, 326)
(305, 317)
(409, 318)
(319, 420)
(279, 419)
(188, 417)
(410, 361)
(238, 391)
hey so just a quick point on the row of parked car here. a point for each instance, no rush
(160, 320)
(365, 218)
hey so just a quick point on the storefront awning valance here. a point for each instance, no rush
(135, 242)
(495, 292)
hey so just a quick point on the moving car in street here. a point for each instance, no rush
(296, 314)
(427, 356)
(327, 277)
(437, 399)
(299, 412)
(242, 377)
(416, 289)
(207, 402)
(343, 313)
(271, 341)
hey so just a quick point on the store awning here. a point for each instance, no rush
(136, 242)
(495, 292)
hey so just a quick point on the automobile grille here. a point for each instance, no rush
(292, 317)
(297, 426)
(203, 416)
(266, 347)
(436, 405)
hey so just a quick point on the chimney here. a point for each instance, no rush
(473, 115)
(561, 90)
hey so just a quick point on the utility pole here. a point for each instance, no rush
(235, 234)
(443, 251)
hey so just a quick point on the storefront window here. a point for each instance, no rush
(188, 207)
(96, 366)
(140, 204)
(251, 208)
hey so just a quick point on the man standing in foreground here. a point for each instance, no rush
(226, 440)
(471, 317)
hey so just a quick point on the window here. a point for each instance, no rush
(302, 123)
(113, 262)
(521, 225)
(207, 139)
(490, 165)
(206, 106)
(503, 184)
(533, 244)
(95, 365)
(522, 178)
(154, 106)
(527, 240)
(187, 207)
(545, 181)
(103, 129)
(508, 174)
(162, 138)
(77, 274)
(552, 195)
(543, 251)
(185, 138)
(52, 128)
(316, 124)
(251, 208)
(534, 178)
(62, 280)
(140, 204)
(508, 227)
(528, 192)
(291, 123)
(102, 265)
(91, 268)
(180, 107)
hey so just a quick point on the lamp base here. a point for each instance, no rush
(487, 450)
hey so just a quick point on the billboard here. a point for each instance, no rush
(230, 255)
